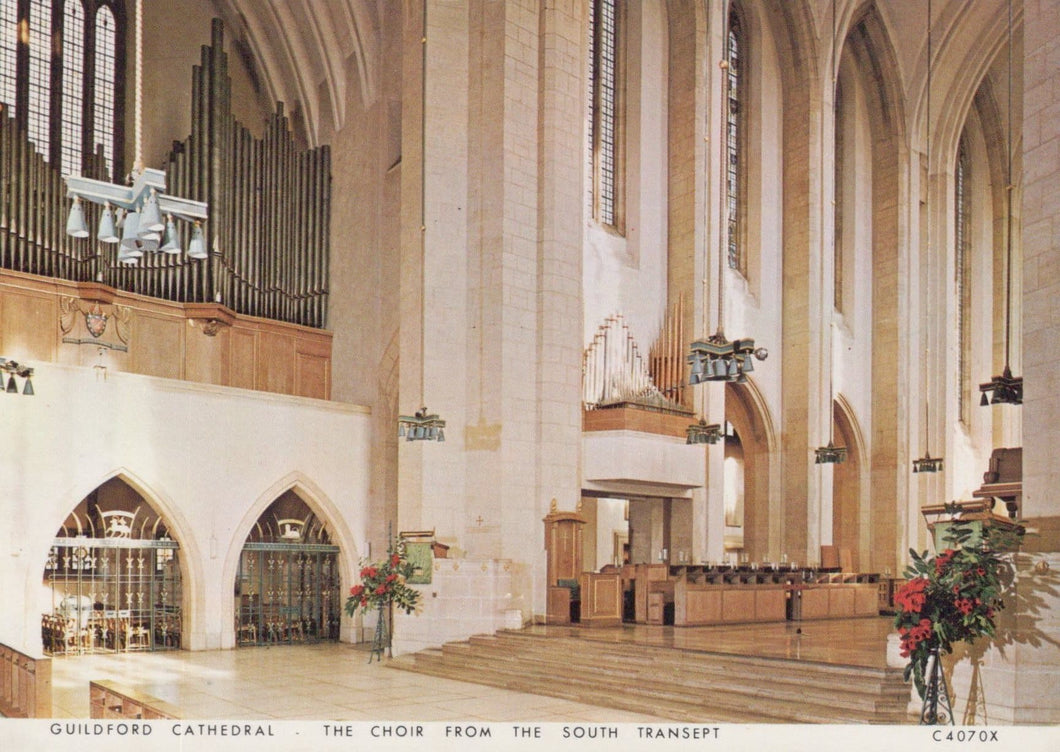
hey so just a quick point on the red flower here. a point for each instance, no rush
(395, 559)
(368, 572)
(391, 577)
(381, 590)
(356, 590)
(943, 560)
(911, 595)
(980, 571)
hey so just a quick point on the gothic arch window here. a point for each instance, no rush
(61, 79)
(73, 99)
(605, 113)
(962, 270)
(735, 55)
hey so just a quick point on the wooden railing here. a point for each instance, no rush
(109, 699)
(25, 685)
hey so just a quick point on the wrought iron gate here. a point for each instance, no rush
(112, 595)
(287, 593)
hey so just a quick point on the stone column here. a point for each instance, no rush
(1034, 666)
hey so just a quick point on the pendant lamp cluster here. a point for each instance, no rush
(140, 218)
(13, 369)
(422, 426)
(927, 463)
(1006, 389)
(830, 454)
(702, 433)
(717, 358)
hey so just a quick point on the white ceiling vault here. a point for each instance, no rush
(307, 51)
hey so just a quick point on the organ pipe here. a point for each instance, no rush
(269, 203)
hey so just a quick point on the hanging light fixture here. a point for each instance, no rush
(144, 202)
(1006, 388)
(830, 454)
(422, 426)
(702, 433)
(927, 463)
(717, 358)
(12, 369)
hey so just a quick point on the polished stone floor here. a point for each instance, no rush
(336, 682)
(849, 642)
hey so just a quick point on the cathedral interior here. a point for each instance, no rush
(624, 319)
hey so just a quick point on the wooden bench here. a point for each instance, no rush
(25, 684)
(109, 699)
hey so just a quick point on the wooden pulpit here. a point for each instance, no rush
(563, 551)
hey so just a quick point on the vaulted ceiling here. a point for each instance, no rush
(310, 53)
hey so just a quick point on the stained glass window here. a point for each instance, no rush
(962, 213)
(40, 86)
(105, 78)
(73, 85)
(603, 110)
(733, 166)
(44, 56)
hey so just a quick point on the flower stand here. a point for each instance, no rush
(936, 708)
(381, 640)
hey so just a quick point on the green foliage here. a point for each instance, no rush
(385, 582)
(949, 598)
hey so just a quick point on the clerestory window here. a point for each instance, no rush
(59, 78)
(734, 138)
(605, 126)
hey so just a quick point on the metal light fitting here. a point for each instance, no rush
(422, 426)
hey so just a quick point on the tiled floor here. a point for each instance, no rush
(316, 682)
(336, 682)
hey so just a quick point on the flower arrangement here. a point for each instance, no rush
(949, 598)
(383, 583)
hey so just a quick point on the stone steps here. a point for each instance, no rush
(681, 685)
(604, 657)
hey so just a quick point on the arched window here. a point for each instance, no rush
(605, 129)
(106, 77)
(734, 54)
(60, 62)
(837, 211)
(962, 270)
(73, 86)
(40, 81)
(8, 45)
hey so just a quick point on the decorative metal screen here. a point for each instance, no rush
(112, 595)
(287, 593)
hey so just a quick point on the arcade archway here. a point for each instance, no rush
(114, 579)
(287, 586)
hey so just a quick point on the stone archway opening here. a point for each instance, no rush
(287, 587)
(113, 578)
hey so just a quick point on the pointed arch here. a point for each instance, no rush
(850, 489)
(746, 410)
(178, 527)
(322, 506)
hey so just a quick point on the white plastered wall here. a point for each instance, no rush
(208, 459)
